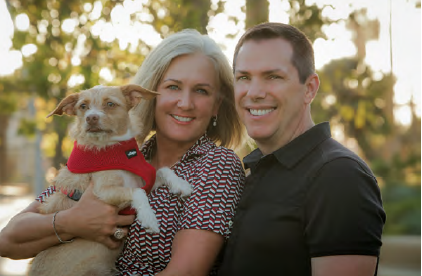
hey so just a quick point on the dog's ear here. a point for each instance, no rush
(134, 93)
(66, 105)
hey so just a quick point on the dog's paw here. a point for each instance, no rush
(154, 229)
(149, 221)
(181, 188)
(175, 184)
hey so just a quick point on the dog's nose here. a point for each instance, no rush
(92, 119)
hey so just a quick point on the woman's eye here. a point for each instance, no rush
(202, 91)
(273, 77)
(110, 104)
(173, 87)
(242, 78)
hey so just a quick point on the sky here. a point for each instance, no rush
(406, 48)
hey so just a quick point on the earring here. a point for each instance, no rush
(214, 123)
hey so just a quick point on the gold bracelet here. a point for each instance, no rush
(54, 227)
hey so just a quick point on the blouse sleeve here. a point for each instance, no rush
(218, 183)
(50, 190)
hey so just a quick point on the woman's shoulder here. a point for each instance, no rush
(222, 153)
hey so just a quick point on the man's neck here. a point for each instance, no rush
(269, 146)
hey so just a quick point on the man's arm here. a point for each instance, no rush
(344, 220)
(344, 265)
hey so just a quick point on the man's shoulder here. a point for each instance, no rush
(333, 152)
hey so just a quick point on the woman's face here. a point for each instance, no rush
(188, 100)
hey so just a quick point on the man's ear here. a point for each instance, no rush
(133, 93)
(66, 106)
(312, 85)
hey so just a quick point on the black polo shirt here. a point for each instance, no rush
(313, 197)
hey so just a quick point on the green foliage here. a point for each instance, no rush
(49, 71)
(27, 128)
(308, 19)
(173, 16)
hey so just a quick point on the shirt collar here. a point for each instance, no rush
(294, 151)
(201, 147)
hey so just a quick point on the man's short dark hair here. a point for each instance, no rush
(303, 52)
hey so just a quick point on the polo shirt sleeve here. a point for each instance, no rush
(344, 214)
(48, 192)
(217, 189)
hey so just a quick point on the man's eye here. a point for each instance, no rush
(242, 78)
(110, 104)
(273, 77)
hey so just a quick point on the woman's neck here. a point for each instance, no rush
(167, 153)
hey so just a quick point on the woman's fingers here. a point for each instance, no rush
(125, 220)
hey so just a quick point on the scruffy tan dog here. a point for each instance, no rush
(106, 153)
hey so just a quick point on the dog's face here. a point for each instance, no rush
(102, 112)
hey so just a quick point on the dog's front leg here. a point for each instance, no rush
(145, 214)
(175, 184)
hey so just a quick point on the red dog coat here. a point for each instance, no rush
(121, 156)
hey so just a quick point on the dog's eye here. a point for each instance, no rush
(83, 106)
(110, 104)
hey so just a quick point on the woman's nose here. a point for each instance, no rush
(185, 100)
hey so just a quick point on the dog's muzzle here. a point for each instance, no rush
(119, 234)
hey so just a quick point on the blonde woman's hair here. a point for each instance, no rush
(229, 131)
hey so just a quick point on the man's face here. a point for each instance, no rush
(269, 97)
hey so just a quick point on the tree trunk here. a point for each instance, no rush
(4, 122)
(196, 15)
(257, 11)
(61, 129)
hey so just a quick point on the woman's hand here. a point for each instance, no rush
(93, 219)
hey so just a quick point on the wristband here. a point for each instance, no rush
(54, 227)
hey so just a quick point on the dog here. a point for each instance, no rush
(106, 153)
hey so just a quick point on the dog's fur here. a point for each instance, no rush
(116, 121)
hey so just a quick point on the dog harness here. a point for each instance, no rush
(124, 155)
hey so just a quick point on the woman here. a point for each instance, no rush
(194, 112)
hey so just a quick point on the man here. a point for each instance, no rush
(310, 206)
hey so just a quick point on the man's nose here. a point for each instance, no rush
(256, 89)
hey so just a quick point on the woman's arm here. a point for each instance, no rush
(30, 232)
(27, 234)
(193, 253)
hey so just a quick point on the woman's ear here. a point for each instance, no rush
(312, 85)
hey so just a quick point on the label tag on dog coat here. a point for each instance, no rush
(131, 153)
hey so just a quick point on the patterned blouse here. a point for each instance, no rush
(217, 177)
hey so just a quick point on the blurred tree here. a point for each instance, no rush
(308, 18)
(8, 104)
(173, 16)
(79, 44)
(256, 12)
(66, 55)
